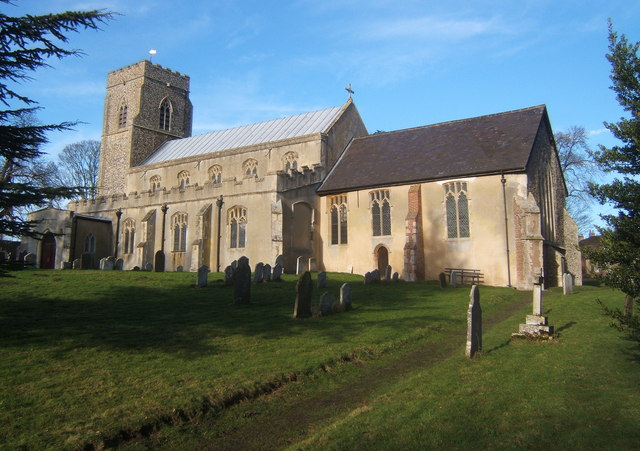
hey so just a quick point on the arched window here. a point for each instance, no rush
(215, 174)
(238, 227)
(338, 206)
(250, 168)
(457, 210)
(380, 212)
(154, 183)
(179, 228)
(90, 243)
(122, 116)
(290, 162)
(128, 235)
(166, 111)
(183, 179)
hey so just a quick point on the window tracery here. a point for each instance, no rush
(338, 219)
(179, 227)
(166, 111)
(457, 210)
(250, 168)
(183, 179)
(129, 233)
(238, 227)
(215, 173)
(380, 212)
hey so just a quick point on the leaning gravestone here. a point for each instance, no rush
(322, 280)
(242, 282)
(326, 303)
(474, 323)
(277, 273)
(345, 297)
(203, 273)
(228, 275)
(266, 273)
(259, 272)
(77, 264)
(29, 259)
(159, 261)
(119, 264)
(387, 274)
(304, 289)
(442, 278)
(299, 266)
(567, 284)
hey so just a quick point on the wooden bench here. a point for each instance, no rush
(468, 276)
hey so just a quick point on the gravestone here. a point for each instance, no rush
(536, 325)
(180, 268)
(396, 277)
(474, 323)
(367, 278)
(119, 264)
(29, 259)
(442, 278)
(266, 273)
(350, 269)
(159, 261)
(242, 282)
(345, 297)
(106, 264)
(387, 274)
(228, 275)
(279, 261)
(234, 265)
(203, 273)
(455, 279)
(567, 284)
(87, 260)
(277, 273)
(375, 275)
(258, 274)
(149, 267)
(304, 289)
(322, 280)
(312, 265)
(67, 265)
(326, 303)
(77, 264)
(103, 261)
(111, 262)
(299, 266)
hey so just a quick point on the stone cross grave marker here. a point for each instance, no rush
(304, 289)
(474, 323)
(203, 273)
(326, 303)
(345, 297)
(242, 282)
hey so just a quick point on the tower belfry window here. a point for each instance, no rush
(165, 115)
(122, 116)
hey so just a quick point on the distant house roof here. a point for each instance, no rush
(480, 145)
(247, 135)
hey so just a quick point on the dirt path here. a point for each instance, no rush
(295, 417)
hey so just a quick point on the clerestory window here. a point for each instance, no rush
(183, 179)
(457, 210)
(250, 168)
(215, 174)
(290, 162)
(154, 183)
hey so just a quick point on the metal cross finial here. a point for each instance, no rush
(350, 90)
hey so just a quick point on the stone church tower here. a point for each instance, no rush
(145, 106)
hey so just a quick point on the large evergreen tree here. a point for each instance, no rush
(620, 251)
(26, 44)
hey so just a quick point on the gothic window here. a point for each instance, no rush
(238, 227)
(457, 210)
(179, 228)
(166, 111)
(290, 162)
(338, 219)
(90, 243)
(183, 179)
(215, 174)
(129, 234)
(250, 168)
(154, 183)
(380, 212)
(122, 116)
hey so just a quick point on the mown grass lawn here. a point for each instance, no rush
(87, 354)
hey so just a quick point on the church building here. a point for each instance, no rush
(485, 194)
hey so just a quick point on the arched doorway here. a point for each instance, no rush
(48, 251)
(382, 256)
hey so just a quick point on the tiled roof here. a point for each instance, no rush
(480, 145)
(247, 135)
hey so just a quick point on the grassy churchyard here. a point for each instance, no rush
(141, 359)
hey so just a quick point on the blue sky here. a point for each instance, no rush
(410, 62)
